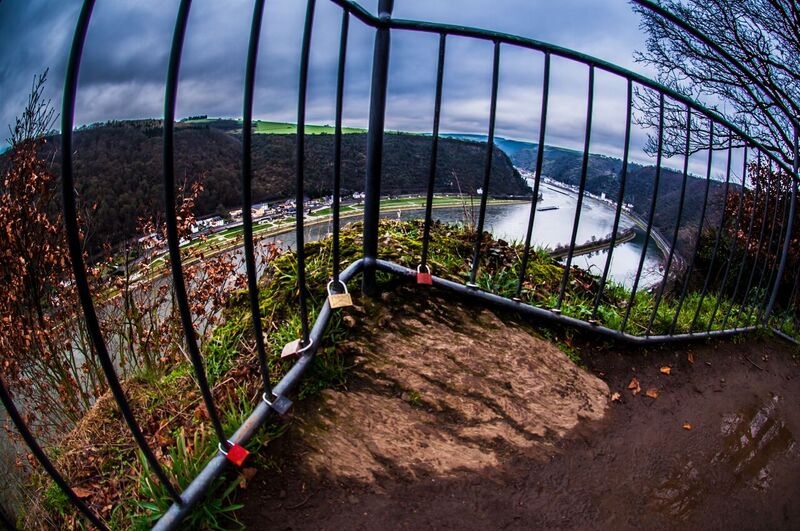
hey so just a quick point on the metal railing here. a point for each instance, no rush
(759, 274)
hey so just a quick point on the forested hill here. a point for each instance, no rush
(119, 168)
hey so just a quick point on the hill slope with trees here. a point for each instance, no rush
(118, 169)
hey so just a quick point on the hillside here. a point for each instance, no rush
(119, 168)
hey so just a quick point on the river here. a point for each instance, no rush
(551, 228)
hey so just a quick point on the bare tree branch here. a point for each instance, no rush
(762, 35)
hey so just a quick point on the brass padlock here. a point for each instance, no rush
(424, 278)
(295, 348)
(339, 300)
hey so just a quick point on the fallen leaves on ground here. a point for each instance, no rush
(651, 393)
(690, 358)
(247, 474)
(686, 426)
(81, 492)
(666, 370)
(615, 397)
(635, 387)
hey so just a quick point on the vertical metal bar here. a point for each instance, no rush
(710, 271)
(523, 268)
(487, 168)
(722, 288)
(38, 452)
(746, 245)
(775, 261)
(170, 100)
(377, 117)
(769, 260)
(76, 252)
(581, 190)
(437, 111)
(762, 231)
(795, 287)
(300, 176)
(620, 201)
(247, 191)
(787, 240)
(675, 233)
(652, 213)
(696, 252)
(337, 143)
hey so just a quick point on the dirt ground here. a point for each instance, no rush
(461, 418)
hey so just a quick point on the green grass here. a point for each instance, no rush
(232, 367)
(188, 457)
(227, 238)
(264, 127)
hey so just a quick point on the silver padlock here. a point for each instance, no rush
(295, 348)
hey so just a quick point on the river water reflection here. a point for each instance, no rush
(551, 228)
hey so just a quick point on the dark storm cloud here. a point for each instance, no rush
(33, 37)
(124, 65)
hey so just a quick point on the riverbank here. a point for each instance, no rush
(659, 239)
(596, 245)
(232, 238)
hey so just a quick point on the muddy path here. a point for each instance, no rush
(460, 418)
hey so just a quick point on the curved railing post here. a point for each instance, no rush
(377, 115)
(788, 238)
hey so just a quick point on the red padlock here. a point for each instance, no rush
(236, 454)
(424, 279)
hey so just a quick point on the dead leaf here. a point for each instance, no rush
(690, 357)
(651, 393)
(635, 387)
(686, 426)
(200, 412)
(615, 397)
(247, 474)
(666, 370)
(81, 492)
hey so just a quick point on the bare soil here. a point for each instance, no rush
(456, 417)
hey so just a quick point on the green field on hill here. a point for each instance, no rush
(264, 127)
(267, 128)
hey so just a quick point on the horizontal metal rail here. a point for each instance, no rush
(505, 303)
(198, 487)
(558, 51)
(742, 271)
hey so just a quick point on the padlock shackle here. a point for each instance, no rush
(221, 450)
(344, 286)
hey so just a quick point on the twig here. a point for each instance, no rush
(754, 364)
(290, 508)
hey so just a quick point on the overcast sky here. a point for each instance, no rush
(125, 62)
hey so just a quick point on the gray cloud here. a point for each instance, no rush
(124, 65)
